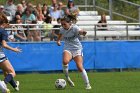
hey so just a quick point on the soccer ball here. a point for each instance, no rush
(60, 84)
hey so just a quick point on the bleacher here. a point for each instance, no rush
(87, 20)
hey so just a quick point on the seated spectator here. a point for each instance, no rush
(33, 35)
(60, 8)
(54, 2)
(72, 10)
(10, 7)
(23, 2)
(20, 34)
(55, 13)
(31, 7)
(19, 12)
(45, 11)
(1, 8)
(28, 17)
(47, 28)
(40, 16)
(102, 24)
(55, 31)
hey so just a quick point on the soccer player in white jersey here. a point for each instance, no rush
(5, 65)
(72, 49)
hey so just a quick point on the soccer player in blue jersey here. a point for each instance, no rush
(5, 65)
(72, 49)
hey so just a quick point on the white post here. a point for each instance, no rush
(139, 13)
(94, 5)
(85, 5)
(110, 9)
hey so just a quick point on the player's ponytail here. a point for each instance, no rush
(3, 18)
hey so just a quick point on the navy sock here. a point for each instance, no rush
(8, 78)
(13, 83)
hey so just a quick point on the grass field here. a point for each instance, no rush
(107, 82)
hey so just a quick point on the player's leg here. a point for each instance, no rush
(66, 59)
(79, 62)
(9, 74)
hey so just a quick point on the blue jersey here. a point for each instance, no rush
(71, 38)
(3, 36)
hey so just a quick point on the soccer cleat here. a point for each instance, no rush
(17, 88)
(88, 86)
(6, 91)
(70, 82)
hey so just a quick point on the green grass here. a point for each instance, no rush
(107, 82)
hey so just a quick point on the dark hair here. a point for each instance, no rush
(68, 5)
(3, 18)
(48, 19)
(45, 4)
(69, 19)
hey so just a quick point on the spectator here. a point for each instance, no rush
(20, 34)
(45, 11)
(55, 13)
(19, 12)
(40, 16)
(1, 8)
(60, 6)
(102, 24)
(72, 10)
(33, 35)
(10, 7)
(28, 17)
(54, 2)
(23, 2)
(31, 8)
(55, 31)
(47, 28)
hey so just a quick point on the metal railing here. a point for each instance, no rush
(128, 30)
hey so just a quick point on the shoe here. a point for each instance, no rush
(70, 82)
(88, 87)
(4, 87)
(17, 88)
(6, 91)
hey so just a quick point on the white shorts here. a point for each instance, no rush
(75, 53)
(2, 57)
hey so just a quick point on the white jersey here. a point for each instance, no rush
(71, 38)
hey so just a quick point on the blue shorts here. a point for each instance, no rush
(2, 57)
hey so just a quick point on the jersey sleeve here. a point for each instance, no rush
(76, 30)
(61, 31)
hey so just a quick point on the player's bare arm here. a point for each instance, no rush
(58, 40)
(5, 45)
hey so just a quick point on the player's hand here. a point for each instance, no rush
(84, 33)
(58, 43)
(17, 50)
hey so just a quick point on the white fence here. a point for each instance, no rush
(113, 31)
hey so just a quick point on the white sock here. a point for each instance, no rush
(2, 86)
(85, 77)
(66, 70)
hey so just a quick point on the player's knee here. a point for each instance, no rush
(65, 62)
